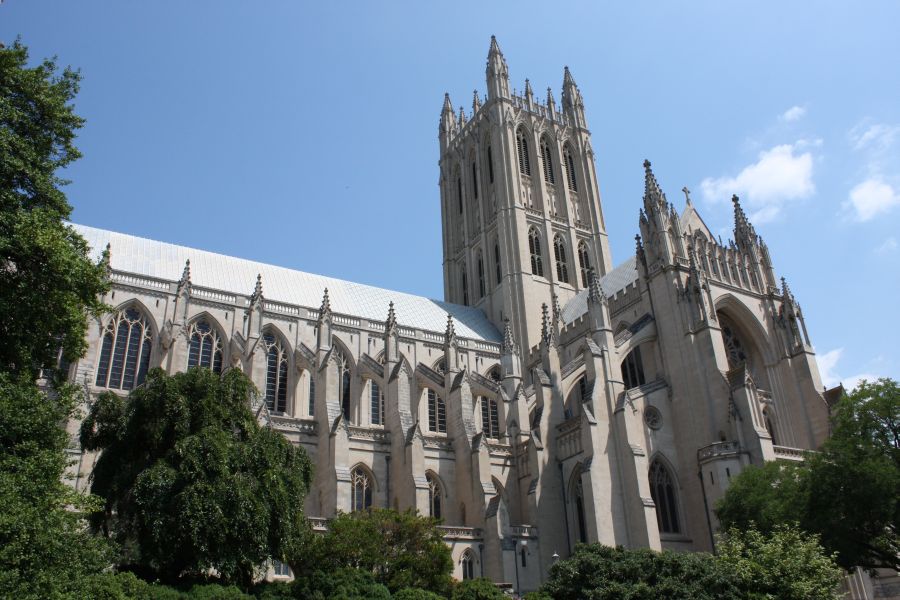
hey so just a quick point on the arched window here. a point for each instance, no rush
(481, 286)
(584, 262)
(490, 420)
(534, 247)
(662, 489)
(437, 412)
(204, 346)
(547, 162)
(570, 168)
(343, 366)
(633, 369)
(474, 180)
(497, 266)
(734, 348)
(578, 500)
(434, 496)
(522, 146)
(312, 394)
(377, 403)
(459, 196)
(465, 285)
(362, 489)
(276, 373)
(468, 565)
(494, 374)
(562, 267)
(125, 352)
(490, 161)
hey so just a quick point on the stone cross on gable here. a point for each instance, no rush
(687, 194)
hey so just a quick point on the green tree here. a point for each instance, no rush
(596, 572)
(401, 549)
(339, 584)
(191, 481)
(477, 589)
(787, 565)
(848, 493)
(48, 285)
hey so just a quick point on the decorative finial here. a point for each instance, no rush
(391, 324)
(546, 329)
(476, 102)
(450, 333)
(106, 260)
(528, 91)
(509, 343)
(257, 290)
(557, 311)
(325, 309)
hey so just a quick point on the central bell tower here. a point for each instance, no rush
(520, 206)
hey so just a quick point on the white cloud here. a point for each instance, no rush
(871, 198)
(878, 137)
(889, 246)
(780, 175)
(828, 371)
(794, 113)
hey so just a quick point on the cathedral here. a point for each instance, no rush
(552, 398)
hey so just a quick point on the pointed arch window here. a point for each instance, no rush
(547, 161)
(662, 489)
(522, 147)
(377, 403)
(490, 419)
(312, 394)
(343, 366)
(584, 263)
(468, 565)
(481, 286)
(562, 267)
(570, 168)
(434, 496)
(125, 351)
(459, 196)
(204, 346)
(534, 247)
(276, 373)
(490, 162)
(578, 500)
(474, 180)
(437, 412)
(362, 489)
(633, 369)
(497, 266)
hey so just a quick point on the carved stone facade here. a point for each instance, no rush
(564, 400)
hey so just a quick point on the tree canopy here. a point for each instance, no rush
(848, 493)
(401, 549)
(190, 479)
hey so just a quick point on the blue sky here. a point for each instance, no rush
(305, 134)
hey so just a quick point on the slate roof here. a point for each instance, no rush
(141, 256)
(612, 282)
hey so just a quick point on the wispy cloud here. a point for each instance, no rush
(888, 246)
(828, 370)
(794, 113)
(871, 198)
(780, 175)
(878, 137)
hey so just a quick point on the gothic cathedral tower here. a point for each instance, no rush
(520, 205)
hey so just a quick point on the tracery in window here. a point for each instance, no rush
(434, 496)
(204, 346)
(547, 162)
(662, 489)
(534, 248)
(490, 419)
(570, 168)
(562, 267)
(362, 489)
(437, 412)
(276, 373)
(522, 147)
(584, 263)
(343, 366)
(734, 348)
(125, 351)
(468, 565)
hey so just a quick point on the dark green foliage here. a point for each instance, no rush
(787, 565)
(477, 589)
(192, 479)
(417, 594)
(848, 493)
(48, 286)
(44, 548)
(401, 549)
(340, 584)
(598, 572)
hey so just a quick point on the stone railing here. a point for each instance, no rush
(213, 295)
(318, 523)
(718, 450)
(460, 533)
(138, 281)
(524, 531)
(791, 454)
(372, 434)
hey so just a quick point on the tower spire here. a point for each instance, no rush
(744, 234)
(476, 102)
(571, 99)
(447, 128)
(654, 198)
(497, 73)
(257, 294)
